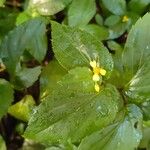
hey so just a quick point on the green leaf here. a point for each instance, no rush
(136, 64)
(23, 17)
(117, 26)
(137, 47)
(31, 32)
(99, 19)
(22, 109)
(81, 12)
(100, 32)
(114, 46)
(74, 110)
(74, 47)
(117, 7)
(48, 7)
(6, 96)
(125, 135)
(133, 17)
(50, 75)
(116, 76)
(138, 5)
(112, 20)
(118, 29)
(139, 87)
(2, 144)
(7, 21)
(26, 77)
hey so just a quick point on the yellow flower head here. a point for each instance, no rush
(96, 70)
(97, 74)
(125, 19)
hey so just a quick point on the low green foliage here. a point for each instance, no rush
(77, 74)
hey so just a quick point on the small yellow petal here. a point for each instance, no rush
(97, 88)
(93, 64)
(102, 71)
(96, 70)
(96, 77)
(125, 19)
(97, 64)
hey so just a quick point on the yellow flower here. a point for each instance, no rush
(97, 74)
(125, 19)
(97, 87)
(102, 71)
(96, 70)
(93, 64)
(96, 77)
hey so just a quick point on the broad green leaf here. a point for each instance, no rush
(48, 7)
(125, 135)
(6, 96)
(26, 77)
(137, 47)
(2, 144)
(31, 32)
(117, 7)
(136, 64)
(37, 46)
(22, 109)
(100, 32)
(139, 87)
(138, 5)
(50, 75)
(74, 110)
(74, 47)
(81, 12)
